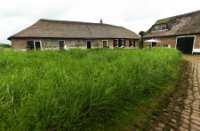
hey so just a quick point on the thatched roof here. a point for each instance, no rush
(185, 24)
(71, 29)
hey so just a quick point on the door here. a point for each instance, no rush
(37, 45)
(61, 44)
(185, 44)
(120, 43)
(105, 43)
(89, 44)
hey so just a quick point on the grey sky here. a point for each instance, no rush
(135, 15)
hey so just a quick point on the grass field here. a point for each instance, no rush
(81, 89)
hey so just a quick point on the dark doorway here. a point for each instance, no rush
(61, 44)
(37, 45)
(30, 45)
(89, 44)
(153, 44)
(121, 43)
(105, 43)
(185, 44)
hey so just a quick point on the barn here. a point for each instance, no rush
(181, 32)
(55, 34)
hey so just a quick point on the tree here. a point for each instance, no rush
(141, 41)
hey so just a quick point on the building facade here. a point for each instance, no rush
(52, 34)
(181, 32)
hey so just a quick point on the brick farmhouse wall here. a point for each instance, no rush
(21, 44)
(172, 42)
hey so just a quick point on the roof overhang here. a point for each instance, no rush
(174, 35)
(10, 38)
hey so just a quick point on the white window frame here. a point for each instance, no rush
(39, 42)
(160, 28)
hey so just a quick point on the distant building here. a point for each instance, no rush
(181, 32)
(54, 34)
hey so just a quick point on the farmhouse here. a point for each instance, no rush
(181, 32)
(53, 34)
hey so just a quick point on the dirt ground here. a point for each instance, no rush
(183, 110)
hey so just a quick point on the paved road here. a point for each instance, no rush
(183, 111)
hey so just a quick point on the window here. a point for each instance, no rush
(115, 43)
(61, 44)
(131, 43)
(33, 45)
(46, 43)
(159, 28)
(73, 43)
(119, 43)
(165, 45)
(105, 43)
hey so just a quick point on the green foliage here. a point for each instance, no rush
(142, 33)
(163, 21)
(141, 40)
(5, 45)
(79, 89)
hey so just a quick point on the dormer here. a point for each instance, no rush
(159, 28)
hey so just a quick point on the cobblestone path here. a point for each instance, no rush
(183, 110)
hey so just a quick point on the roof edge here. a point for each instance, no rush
(10, 37)
(171, 35)
(72, 38)
(63, 21)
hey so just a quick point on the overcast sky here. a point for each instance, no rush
(136, 15)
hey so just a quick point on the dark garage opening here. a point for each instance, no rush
(185, 44)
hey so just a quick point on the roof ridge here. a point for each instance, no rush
(77, 22)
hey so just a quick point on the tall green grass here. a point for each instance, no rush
(78, 89)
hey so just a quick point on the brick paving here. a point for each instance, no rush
(183, 110)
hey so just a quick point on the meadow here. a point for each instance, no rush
(82, 89)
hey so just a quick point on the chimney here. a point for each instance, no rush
(101, 21)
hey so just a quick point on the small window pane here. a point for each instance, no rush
(159, 27)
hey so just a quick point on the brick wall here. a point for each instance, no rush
(69, 43)
(18, 44)
(197, 43)
(164, 40)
